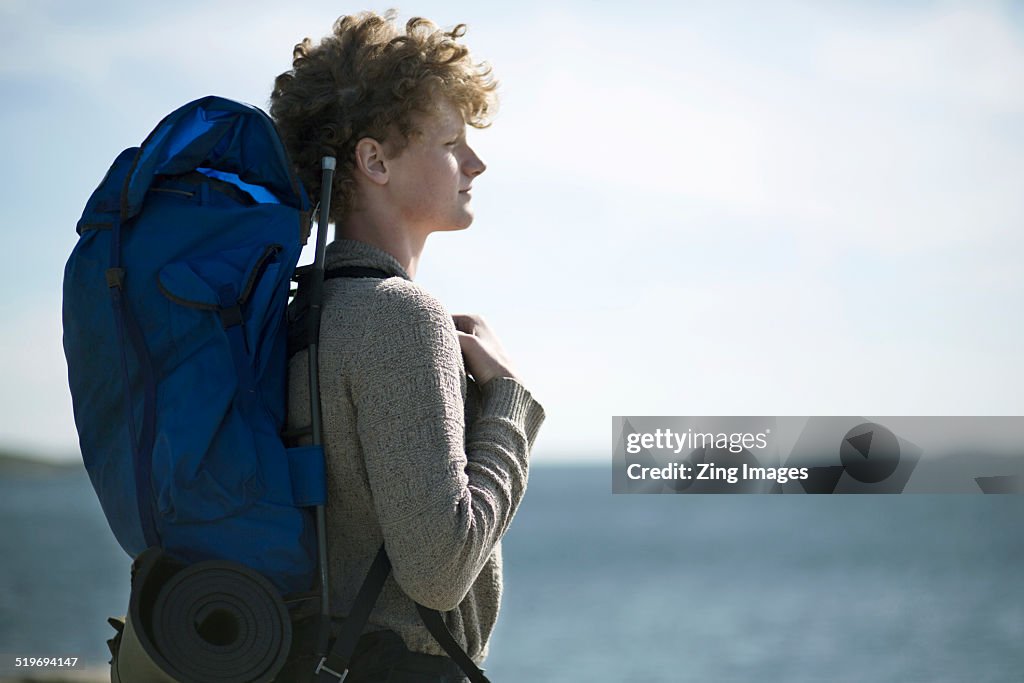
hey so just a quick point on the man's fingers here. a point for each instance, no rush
(466, 340)
(465, 322)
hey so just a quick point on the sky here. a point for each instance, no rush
(690, 208)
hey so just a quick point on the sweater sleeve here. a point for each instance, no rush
(444, 495)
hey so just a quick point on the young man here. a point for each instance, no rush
(421, 457)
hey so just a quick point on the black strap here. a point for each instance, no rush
(434, 621)
(355, 271)
(334, 667)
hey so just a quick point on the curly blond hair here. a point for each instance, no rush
(369, 79)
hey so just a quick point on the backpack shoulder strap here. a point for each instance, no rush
(298, 312)
(355, 271)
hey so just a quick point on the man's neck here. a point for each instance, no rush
(405, 245)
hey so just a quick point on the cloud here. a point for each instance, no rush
(191, 49)
(684, 116)
(961, 54)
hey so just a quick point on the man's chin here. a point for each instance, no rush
(461, 224)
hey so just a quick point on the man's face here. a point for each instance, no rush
(430, 179)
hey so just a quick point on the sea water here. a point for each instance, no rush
(600, 587)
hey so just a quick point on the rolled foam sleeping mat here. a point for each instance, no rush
(210, 622)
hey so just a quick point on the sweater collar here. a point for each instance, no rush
(353, 253)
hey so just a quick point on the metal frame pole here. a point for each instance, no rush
(327, 164)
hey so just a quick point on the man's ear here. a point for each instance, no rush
(371, 162)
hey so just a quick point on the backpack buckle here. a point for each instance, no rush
(115, 277)
(322, 666)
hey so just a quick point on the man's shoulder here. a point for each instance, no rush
(405, 327)
(369, 298)
(405, 301)
(368, 317)
(379, 313)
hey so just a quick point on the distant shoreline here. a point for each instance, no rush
(12, 462)
(23, 463)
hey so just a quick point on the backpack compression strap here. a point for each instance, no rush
(129, 331)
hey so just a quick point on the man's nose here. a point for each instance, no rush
(474, 165)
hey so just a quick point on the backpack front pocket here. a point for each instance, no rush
(206, 460)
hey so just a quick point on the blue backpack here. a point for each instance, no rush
(175, 335)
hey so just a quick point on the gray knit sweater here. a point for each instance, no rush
(418, 457)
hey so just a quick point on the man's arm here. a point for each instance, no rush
(444, 497)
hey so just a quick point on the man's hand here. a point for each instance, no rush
(485, 357)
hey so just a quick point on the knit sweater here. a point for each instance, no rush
(418, 456)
